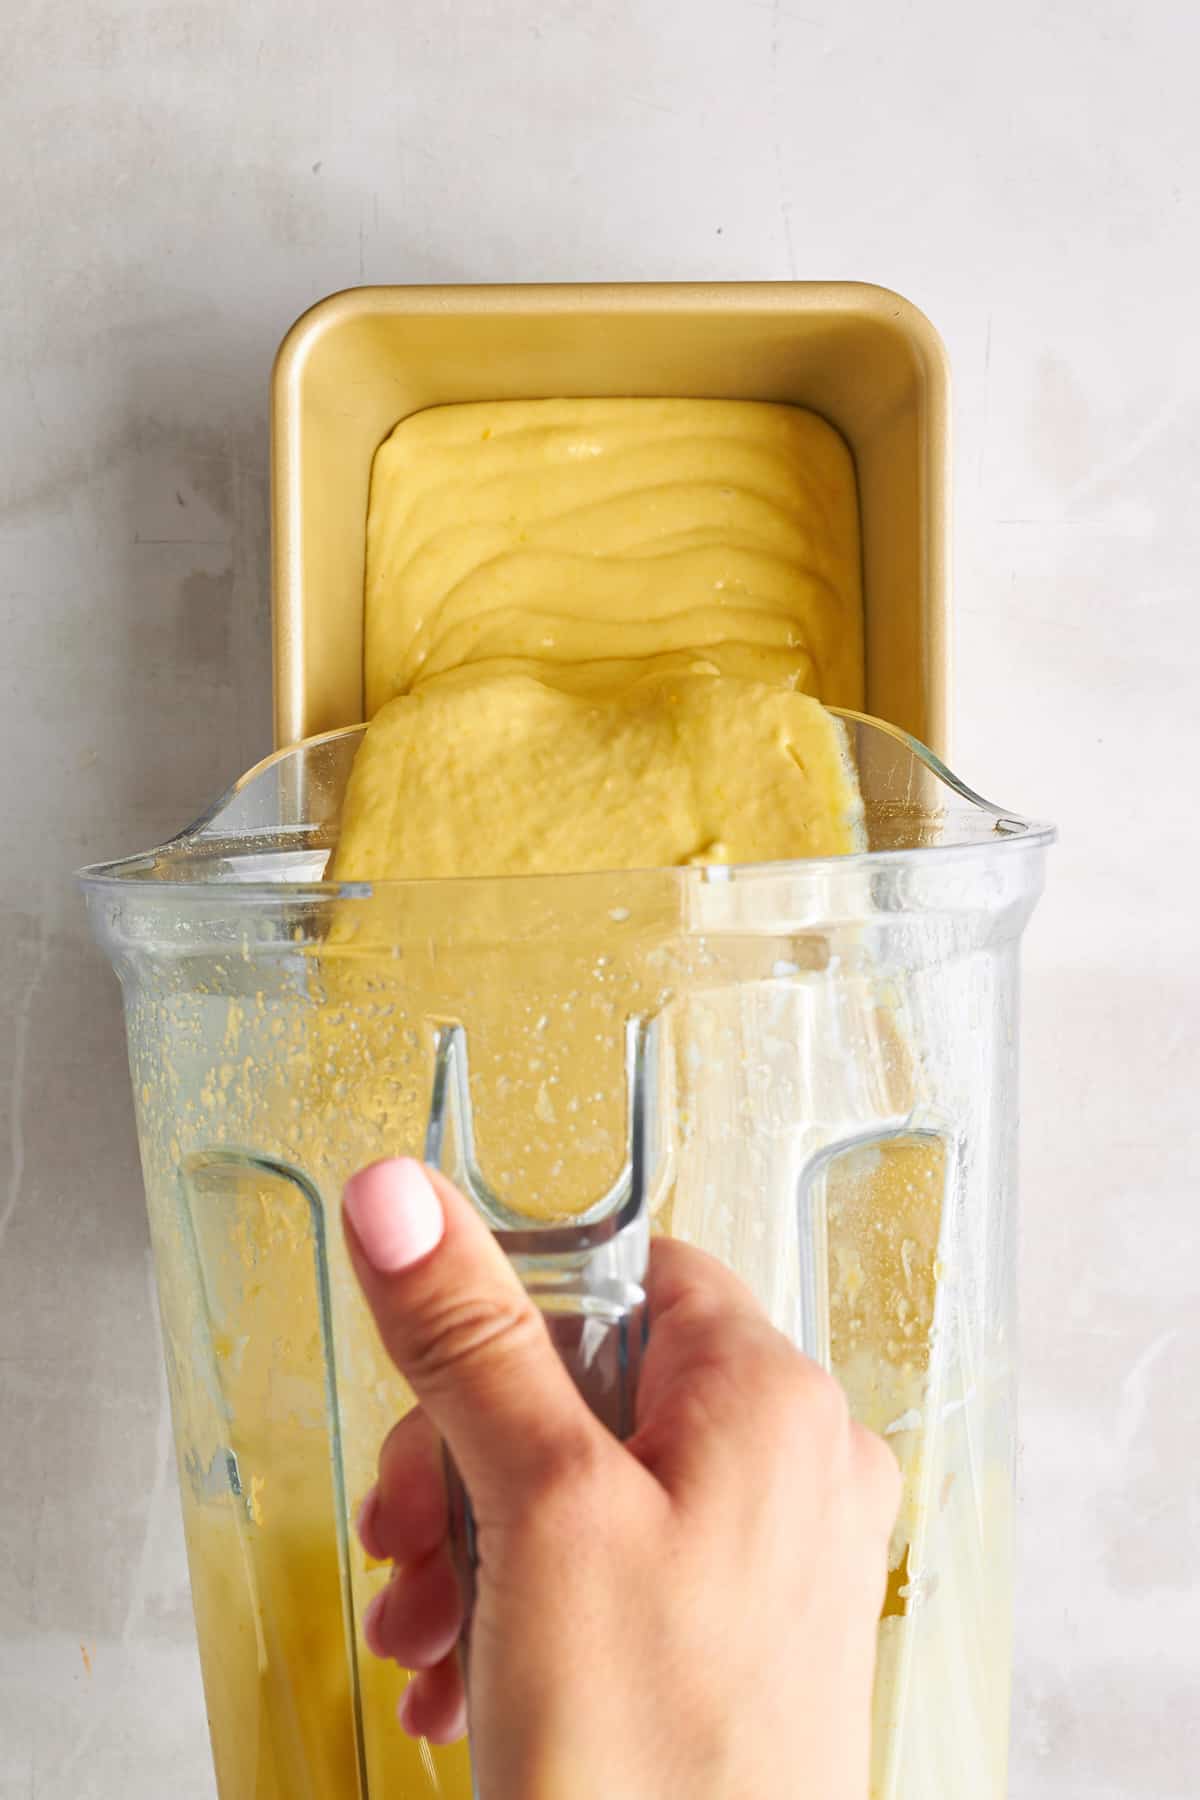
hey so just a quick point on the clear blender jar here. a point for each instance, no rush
(809, 1069)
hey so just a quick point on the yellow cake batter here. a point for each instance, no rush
(505, 776)
(589, 541)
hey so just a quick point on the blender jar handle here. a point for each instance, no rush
(587, 1274)
(237, 1209)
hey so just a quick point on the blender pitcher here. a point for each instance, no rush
(807, 1068)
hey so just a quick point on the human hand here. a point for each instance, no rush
(690, 1613)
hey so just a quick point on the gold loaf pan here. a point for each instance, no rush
(360, 361)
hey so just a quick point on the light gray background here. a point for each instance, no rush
(179, 181)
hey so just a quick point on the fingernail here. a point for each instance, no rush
(370, 1622)
(396, 1215)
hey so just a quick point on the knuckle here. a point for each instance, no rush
(463, 1330)
(826, 1397)
(811, 1398)
(394, 1450)
(693, 1312)
(768, 1372)
(880, 1473)
(739, 1351)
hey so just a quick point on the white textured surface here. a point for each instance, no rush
(180, 180)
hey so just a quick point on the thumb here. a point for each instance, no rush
(459, 1326)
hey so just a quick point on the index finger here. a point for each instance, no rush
(710, 1352)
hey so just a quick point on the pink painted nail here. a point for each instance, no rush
(396, 1214)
